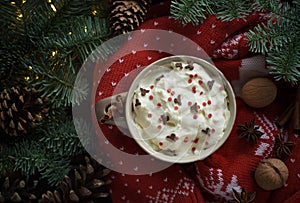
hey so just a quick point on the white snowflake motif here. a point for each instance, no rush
(183, 188)
(234, 42)
(186, 185)
(165, 196)
(225, 44)
(267, 127)
(238, 38)
(215, 184)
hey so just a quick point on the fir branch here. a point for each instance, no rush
(28, 157)
(284, 63)
(6, 163)
(191, 11)
(58, 85)
(31, 157)
(228, 10)
(62, 139)
(55, 171)
(81, 36)
(265, 37)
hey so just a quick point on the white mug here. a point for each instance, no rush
(122, 113)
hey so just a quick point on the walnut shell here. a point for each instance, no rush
(259, 92)
(271, 174)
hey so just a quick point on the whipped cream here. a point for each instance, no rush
(181, 110)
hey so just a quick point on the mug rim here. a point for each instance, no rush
(177, 159)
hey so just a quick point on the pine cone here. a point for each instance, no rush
(17, 191)
(127, 15)
(84, 184)
(20, 109)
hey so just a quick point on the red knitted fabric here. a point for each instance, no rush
(233, 165)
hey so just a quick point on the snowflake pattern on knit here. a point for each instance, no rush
(184, 187)
(269, 129)
(229, 48)
(215, 183)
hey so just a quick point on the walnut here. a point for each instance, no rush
(271, 174)
(259, 92)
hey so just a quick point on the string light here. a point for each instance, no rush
(13, 3)
(20, 15)
(29, 67)
(70, 33)
(26, 78)
(53, 7)
(85, 28)
(23, 1)
(54, 53)
(94, 12)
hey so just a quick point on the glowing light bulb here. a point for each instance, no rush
(94, 12)
(53, 7)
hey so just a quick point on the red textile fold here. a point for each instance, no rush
(233, 165)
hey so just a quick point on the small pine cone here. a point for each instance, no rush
(125, 16)
(20, 109)
(84, 184)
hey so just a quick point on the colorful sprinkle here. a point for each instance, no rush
(144, 91)
(178, 65)
(190, 81)
(195, 116)
(169, 90)
(159, 104)
(204, 104)
(186, 139)
(193, 149)
(200, 82)
(173, 92)
(172, 137)
(149, 115)
(191, 76)
(175, 108)
(213, 130)
(201, 92)
(151, 97)
(210, 84)
(170, 99)
(195, 75)
(190, 103)
(151, 86)
(209, 102)
(221, 88)
(159, 127)
(161, 143)
(209, 115)
(198, 107)
(196, 140)
(194, 90)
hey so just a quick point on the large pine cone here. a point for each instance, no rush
(85, 184)
(20, 109)
(16, 191)
(127, 15)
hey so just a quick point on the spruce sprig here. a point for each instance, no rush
(191, 11)
(278, 38)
